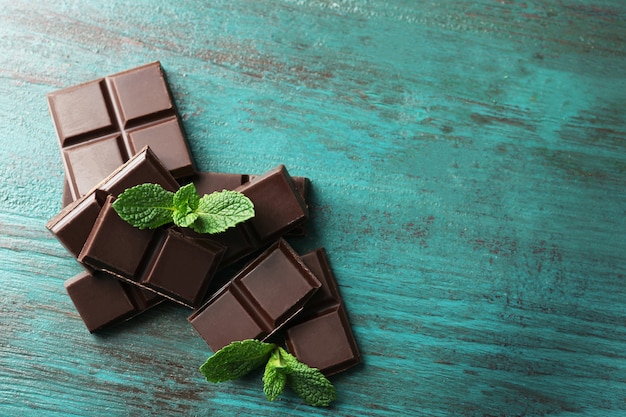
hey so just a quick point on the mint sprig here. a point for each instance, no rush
(148, 206)
(281, 369)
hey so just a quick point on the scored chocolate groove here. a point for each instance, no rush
(101, 124)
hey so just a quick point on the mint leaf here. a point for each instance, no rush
(185, 202)
(274, 377)
(146, 206)
(236, 360)
(282, 368)
(220, 210)
(309, 383)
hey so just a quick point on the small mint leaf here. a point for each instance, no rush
(236, 360)
(146, 206)
(221, 210)
(186, 198)
(186, 202)
(309, 383)
(184, 219)
(274, 377)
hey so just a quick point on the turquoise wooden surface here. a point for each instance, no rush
(468, 166)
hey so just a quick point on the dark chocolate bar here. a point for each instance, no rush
(102, 123)
(74, 223)
(166, 261)
(259, 300)
(102, 301)
(322, 336)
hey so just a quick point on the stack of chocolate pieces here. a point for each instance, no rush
(124, 130)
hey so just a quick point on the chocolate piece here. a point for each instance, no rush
(322, 337)
(259, 300)
(302, 186)
(102, 123)
(162, 260)
(277, 204)
(114, 245)
(102, 301)
(74, 223)
(182, 267)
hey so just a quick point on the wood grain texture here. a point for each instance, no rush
(468, 164)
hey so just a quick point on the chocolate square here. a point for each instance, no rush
(114, 245)
(276, 282)
(88, 164)
(182, 267)
(324, 342)
(225, 320)
(321, 336)
(277, 204)
(139, 92)
(80, 110)
(100, 300)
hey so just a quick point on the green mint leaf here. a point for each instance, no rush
(220, 210)
(186, 201)
(274, 377)
(309, 383)
(236, 360)
(146, 206)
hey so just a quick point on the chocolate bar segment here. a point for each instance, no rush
(102, 301)
(102, 123)
(259, 300)
(73, 224)
(165, 261)
(114, 245)
(322, 336)
(277, 204)
(182, 267)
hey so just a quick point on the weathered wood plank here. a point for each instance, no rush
(468, 165)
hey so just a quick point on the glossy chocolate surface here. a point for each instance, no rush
(322, 336)
(259, 300)
(102, 123)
